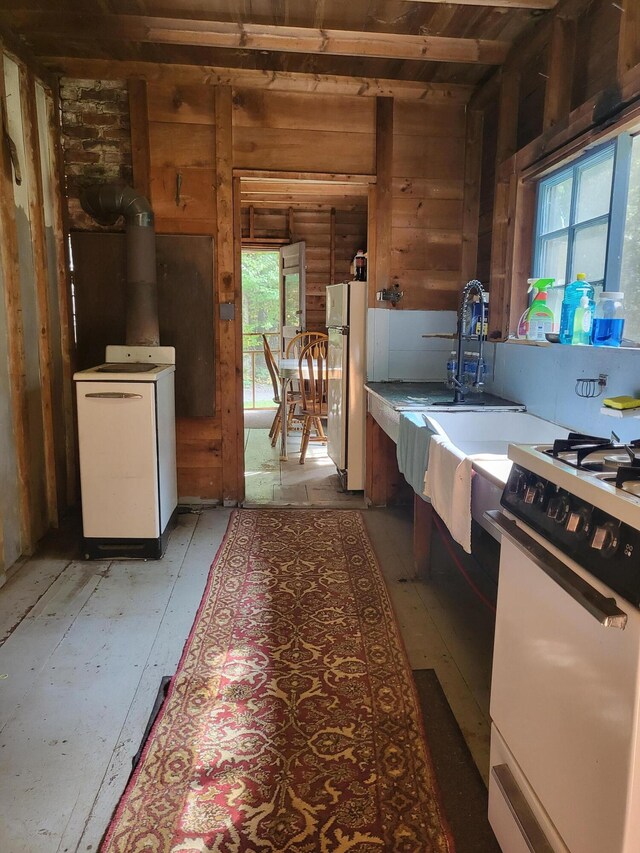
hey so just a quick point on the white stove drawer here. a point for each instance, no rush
(519, 822)
(564, 697)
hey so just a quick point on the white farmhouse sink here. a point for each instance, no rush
(492, 432)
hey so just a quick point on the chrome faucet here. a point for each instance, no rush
(469, 288)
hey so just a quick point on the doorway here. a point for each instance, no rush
(260, 317)
(315, 226)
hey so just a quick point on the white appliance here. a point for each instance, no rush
(565, 694)
(127, 445)
(346, 363)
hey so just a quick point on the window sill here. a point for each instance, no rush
(523, 342)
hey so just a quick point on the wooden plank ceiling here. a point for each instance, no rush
(412, 40)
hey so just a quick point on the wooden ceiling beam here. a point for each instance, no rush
(502, 4)
(220, 34)
(282, 81)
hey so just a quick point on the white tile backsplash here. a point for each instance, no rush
(544, 379)
(397, 349)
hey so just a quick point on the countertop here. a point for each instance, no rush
(416, 396)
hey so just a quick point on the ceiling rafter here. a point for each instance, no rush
(276, 81)
(259, 37)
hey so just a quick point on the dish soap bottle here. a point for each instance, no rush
(572, 327)
(582, 320)
(539, 317)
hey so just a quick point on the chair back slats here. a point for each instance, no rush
(272, 367)
(297, 344)
(313, 389)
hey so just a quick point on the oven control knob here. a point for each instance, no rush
(578, 521)
(518, 484)
(606, 538)
(535, 493)
(558, 508)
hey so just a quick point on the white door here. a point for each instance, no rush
(118, 460)
(292, 291)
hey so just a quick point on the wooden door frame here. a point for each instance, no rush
(311, 178)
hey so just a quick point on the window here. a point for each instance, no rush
(588, 220)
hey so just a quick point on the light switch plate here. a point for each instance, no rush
(227, 311)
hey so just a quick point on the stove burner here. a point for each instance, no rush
(591, 453)
(628, 477)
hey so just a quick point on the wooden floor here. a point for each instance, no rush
(87, 643)
(270, 481)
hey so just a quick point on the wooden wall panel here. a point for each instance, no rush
(185, 308)
(597, 51)
(428, 208)
(257, 108)
(487, 187)
(531, 97)
(311, 133)
(182, 157)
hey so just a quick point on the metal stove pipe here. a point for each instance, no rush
(106, 203)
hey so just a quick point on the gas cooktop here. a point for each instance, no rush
(581, 494)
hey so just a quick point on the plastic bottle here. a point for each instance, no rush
(608, 320)
(360, 264)
(573, 294)
(582, 320)
(539, 316)
(476, 317)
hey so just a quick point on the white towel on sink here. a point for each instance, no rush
(447, 482)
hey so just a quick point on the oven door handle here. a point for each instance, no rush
(604, 609)
(114, 395)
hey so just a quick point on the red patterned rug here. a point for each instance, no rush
(292, 722)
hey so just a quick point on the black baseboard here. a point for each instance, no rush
(96, 548)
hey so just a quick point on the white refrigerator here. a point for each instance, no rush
(346, 324)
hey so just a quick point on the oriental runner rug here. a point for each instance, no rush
(292, 723)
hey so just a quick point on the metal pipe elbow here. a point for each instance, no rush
(106, 203)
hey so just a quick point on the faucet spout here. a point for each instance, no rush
(473, 286)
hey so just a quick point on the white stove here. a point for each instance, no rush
(565, 696)
(127, 443)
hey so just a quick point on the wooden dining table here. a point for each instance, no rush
(288, 370)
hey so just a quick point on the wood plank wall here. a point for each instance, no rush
(427, 204)
(181, 131)
(595, 67)
(180, 152)
(37, 470)
(298, 132)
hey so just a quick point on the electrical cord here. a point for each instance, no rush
(445, 538)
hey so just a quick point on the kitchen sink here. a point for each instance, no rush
(491, 432)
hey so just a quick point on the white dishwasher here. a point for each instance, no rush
(127, 445)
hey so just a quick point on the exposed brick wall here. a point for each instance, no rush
(96, 137)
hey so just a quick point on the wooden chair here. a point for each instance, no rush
(297, 344)
(292, 397)
(312, 372)
(272, 367)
